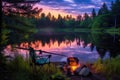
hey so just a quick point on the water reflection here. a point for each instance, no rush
(68, 48)
(87, 47)
(105, 43)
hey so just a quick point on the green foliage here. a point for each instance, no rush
(58, 76)
(115, 7)
(98, 65)
(102, 21)
(103, 10)
(16, 28)
(20, 69)
(86, 23)
(93, 13)
(19, 64)
(4, 35)
(108, 67)
(50, 21)
(107, 18)
(20, 23)
(97, 23)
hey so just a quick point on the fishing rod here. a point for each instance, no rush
(40, 51)
(21, 48)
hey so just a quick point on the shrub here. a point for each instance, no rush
(108, 67)
(20, 69)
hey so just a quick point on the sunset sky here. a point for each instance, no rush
(71, 7)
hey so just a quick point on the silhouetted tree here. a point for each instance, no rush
(86, 16)
(79, 18)
(60, 22)
(20, 7)
(59, 17)
(42, 20)
(49, 16)
(86, 21)
(115, 11)
(103, 9)
(93, 13)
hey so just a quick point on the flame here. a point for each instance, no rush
(74, 68)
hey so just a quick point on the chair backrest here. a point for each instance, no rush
(38, 60)
(42, 60)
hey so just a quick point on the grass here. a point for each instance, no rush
(109, 67)
(20, 69)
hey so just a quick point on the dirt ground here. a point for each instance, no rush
(93, 77)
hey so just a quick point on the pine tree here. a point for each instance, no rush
(93, 13)
(100, 12)
(86, 16)
(103, 9)
(115, 11)
(115, 7)
(49, 16)
(79, 18)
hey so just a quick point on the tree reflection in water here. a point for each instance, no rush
(85, 46)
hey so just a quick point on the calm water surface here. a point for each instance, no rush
(86, 46)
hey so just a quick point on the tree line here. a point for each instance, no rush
(19, 20)
(50, 21)
(105, 18)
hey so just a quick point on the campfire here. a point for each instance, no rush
(72, 65)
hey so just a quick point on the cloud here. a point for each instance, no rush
(70, 1)
(96, 1)
(75, 6)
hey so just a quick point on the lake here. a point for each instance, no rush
(87, 47)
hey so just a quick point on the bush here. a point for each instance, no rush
(20, 69)
(108, 67)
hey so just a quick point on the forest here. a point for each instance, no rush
(21, 20)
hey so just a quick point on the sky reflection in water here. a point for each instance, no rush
(68, 48)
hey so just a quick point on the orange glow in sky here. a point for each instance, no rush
(47, 9)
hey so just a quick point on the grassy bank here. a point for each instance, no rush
(109, 68)
(22, 69)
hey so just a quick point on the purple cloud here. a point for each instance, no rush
(75, 6)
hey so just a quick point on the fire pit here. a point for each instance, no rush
(72, 65)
